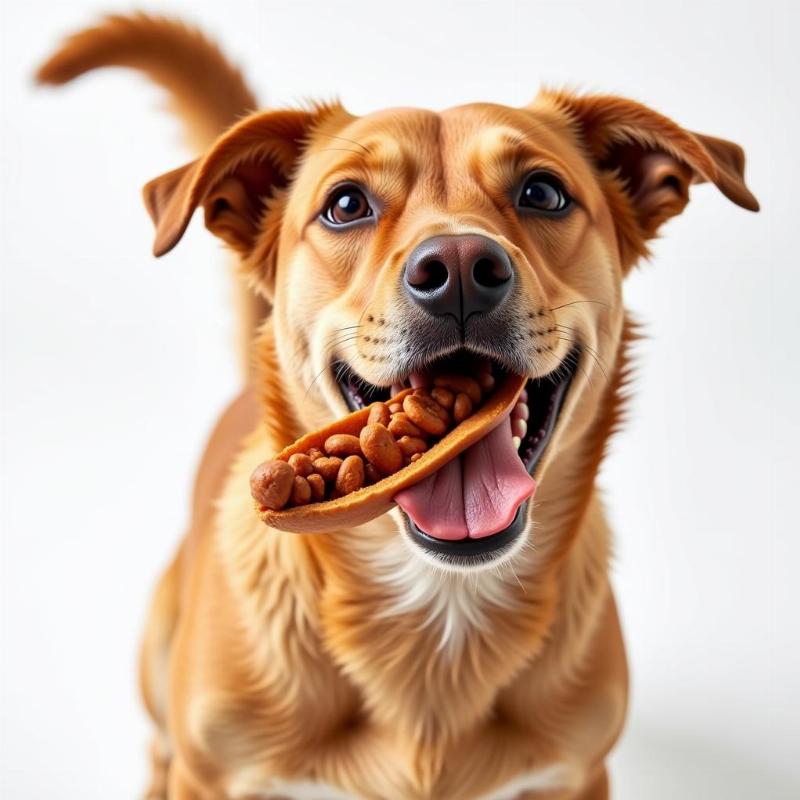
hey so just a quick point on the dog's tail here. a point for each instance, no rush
(206, 91)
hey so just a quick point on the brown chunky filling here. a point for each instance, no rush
(397, 433)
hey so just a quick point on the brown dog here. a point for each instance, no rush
(481, 661)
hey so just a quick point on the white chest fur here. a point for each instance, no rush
(550, 778)
(455, 602)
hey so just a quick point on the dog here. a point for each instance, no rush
(438, 651)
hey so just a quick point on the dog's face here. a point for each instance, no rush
(442, 234)
(487, 238)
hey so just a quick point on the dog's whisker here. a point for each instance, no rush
(343, 336)
(338, 374)
(590, 353)
(576, 302)
(599, 362)
(340, 149)
(344, 339)
(601, 328)
(516, 577)
(576, 362)
(314, 380)
(345, 139)
(567, 331)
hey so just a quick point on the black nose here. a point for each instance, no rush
(458, 275)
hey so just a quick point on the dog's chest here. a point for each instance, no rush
(357, 676)
(450, 610)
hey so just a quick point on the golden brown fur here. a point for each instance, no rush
(274, 661)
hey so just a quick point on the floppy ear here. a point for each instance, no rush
(654, 161)
(233, 181)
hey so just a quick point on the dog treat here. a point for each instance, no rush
(348, 472)
(302, 464)
(444, 397)
(380, 413)
(381, 449)
(411, 445)
(462, 407)
(342, 445)
(317, 486)
(401, 425)
(350, 477)
(301, 491)
(328, 467)
(371, 475)
(426, 413)
(271, 484)
(460, 383)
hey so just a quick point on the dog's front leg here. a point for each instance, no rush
(597, 786)
(182, 786)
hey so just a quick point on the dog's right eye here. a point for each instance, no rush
(347, 204)
(545, 193)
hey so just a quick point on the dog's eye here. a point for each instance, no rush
(347, 204)
(544, 192)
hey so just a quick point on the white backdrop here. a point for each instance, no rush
(114, 367)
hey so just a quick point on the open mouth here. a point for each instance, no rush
(474, 508)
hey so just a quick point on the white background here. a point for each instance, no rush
(114, 367)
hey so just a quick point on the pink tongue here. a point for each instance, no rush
(474, 495)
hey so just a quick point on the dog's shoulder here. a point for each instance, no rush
(239, 419)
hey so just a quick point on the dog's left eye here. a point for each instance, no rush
(347, 204)
(544, 192)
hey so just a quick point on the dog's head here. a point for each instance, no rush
(492, 237)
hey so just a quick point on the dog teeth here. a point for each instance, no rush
(519, 427)
(396, 389)
(520, 411)
(517, 442)
(523, 396)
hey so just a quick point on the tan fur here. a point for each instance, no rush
(274, 661)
